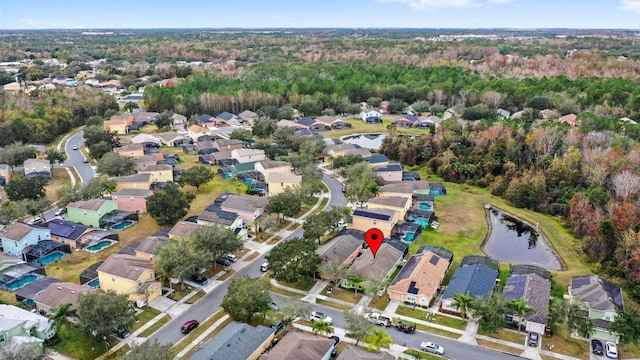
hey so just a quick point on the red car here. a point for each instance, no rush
(189, 326)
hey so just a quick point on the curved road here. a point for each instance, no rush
(74, 158)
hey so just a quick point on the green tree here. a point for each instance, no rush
(378, 338)
(99, 313)
(55, 156)
(291, 309)
(264, 128)
(61, 316)
(287, 203)
(245, 297)
(557, 312)
(521, 308)
(215, 241)
(114, 164)
(244, 135)
(357, 325)
(26, 188)
(334, 271)
(97, 188)
(196, 176)
(98, 150)
(293, 259)
(21, 350)
(363, 182)
(575, 317)
(321, 327)
(16, 153)
(130, 106)
(148, 350)
(356, 282)
(169, 204)
(316, 226)
(164, 120)
(627, 325)
(95, 134)
(178, 260)
(490, 313)
(342, 162)
(586, 328)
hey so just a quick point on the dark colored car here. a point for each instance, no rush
(596, 347)
(120, 332)
(189, 326)
(534, 338)
(198, 279)
(223, 261)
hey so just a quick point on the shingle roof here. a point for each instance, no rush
(280, 177)
(534, 289)
(62, 293)
(326, 119)
(365, 153)
(126, 148)
(151, 243)
(386, 259)
(227, 142)
(133, 192)
(422, 274)
(125, 266)
(598, 292)
(218, 216)
(184, 229)
(306, 121)
(133, 178)
(66, 229)
(237, 341)
(170, 136)
(298, 345)
(474, 280)
(340, 147)
(377, 158)
(270, 164)
(16, 231)
(342, 247)
(394, 201)
(159, 167)
(377, 214)
(244, 202)
(403, 188)
(225, 116)
(205, 117)
(248, 115)
(353, 353)
(90, 205)
(32, 289)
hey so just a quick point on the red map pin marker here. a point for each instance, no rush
(374, 238)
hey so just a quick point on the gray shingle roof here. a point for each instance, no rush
(534, 289)
(237, 341)
(353, 353)
(475, 280)
(598, 292)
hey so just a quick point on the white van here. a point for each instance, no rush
(264, 267)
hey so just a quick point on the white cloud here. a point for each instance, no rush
(439, 4)
(630, 5)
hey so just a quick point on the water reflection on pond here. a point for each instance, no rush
(368, 141)
(515, 242)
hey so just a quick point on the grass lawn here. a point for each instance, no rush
(432, 330)
(419, 314)
(572, 347)
(7, 297)
(70, 267)
(422, 355)
(227, 275)
(80, 346)
(188, 339)
(59, 179)
(342, 294)
(252, 256)
(333, 304)
(275, 240)
(379, 302)
(148, 314)
(285, 292)
(179, 292)
(500, 347)
(505, 335)
(157, 325)
(119, 354)
(305, 284)
(195, 297)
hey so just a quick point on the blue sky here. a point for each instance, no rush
(44, 14)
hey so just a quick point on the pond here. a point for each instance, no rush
(515, 242)
(368, 141)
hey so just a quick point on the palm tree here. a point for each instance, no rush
(521, 308)
(462, 302)
(378, 338)
(586, 327)
(61, 316)
(357, 282)
(321, 327)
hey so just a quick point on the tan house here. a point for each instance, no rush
(248, 116)
(339, 150)
(147, 160)
(248, 155)
(401, 204)
(129, 275)
(383, 219)
(159, 173)
(132, 150)
(419, 280)
(405, 189)
(136, 181)
(55, 294)
(172, 138)
(37, 166)
(145, 138)
(248, 207)
(227, 144)
(266, 167)
(118, 124)
(390, 173)
(183, 230)
(133, 200)
(277, 182)
(147, 249)
(195, 131)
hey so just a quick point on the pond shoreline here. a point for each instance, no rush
(540, 234)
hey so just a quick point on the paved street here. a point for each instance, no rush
(74, 158)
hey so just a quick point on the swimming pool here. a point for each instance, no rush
(424, 206)
(408, 237)
(13, 286)
(99, 246)
(122, 225)
(95, 283)
(422, 222)
(436, 192)
(53, 257)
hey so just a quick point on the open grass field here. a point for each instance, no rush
(359, 127)
(59, 179)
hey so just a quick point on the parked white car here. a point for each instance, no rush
(611, 350)
(318, 316)
(428, 346)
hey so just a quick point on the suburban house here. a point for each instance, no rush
(428, 122)
(59, 293)
(248, 207)
(248, 342)
(136, 181)
(382, 266)
(399, 204)
(337, 150)
(248, 155)
(355, 353)
(569, 119)
(179, 122)
(419, 280)
(406, 121)
(196, 131)
(133, 200)
(289, 123)
(503, 113)
(227, 144)
(365, 153)
(17, 236)
(15, 322)
(300, 345)
(131, 150)
(37, 167)
(213, 214)
(172, 138)
(383, 219)
(312, 124)
(159, 173)
(5, 174)
(277, 182)
(371, 116)
(405, 189)
(390, 173)
(376, 160)
(183, 230)
(90, 212)
(146, 139)
(129, 275)
(67, 232)
(15, 273)
(266, 167)
(602, 299)
(118, 124)
(345, 247)
(147, 249)
(536, 291)
(248, 116)
(333, 122)
(473, 280)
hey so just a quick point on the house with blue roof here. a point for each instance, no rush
(237, 341)
(390, 173)
(536, 292)
(473, 280)
(67, 232)
(312, 124)
(226, 116)
(602, 299)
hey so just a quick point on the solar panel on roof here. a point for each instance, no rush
(580, 281)
(371, 215)
(412, 288)
(434, 260)
(60, 230)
